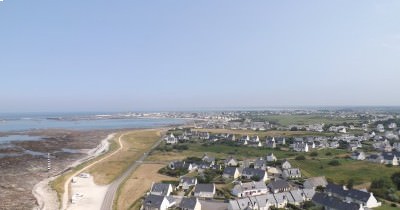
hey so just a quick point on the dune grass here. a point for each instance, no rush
(361, 171)
(135, 143)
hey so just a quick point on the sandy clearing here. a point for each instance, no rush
(93, 194)
(139, 183)
(65, 199)
(46, 197)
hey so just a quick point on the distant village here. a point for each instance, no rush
(268, 182)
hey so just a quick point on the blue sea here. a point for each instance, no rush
(78, 121)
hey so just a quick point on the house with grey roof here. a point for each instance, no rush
(249, 189)
(271, 157)
(291, 173)
(249, 173)
(231, 162)
(182, 165)
(260, 163)
(308, 194)
(390, 158)
(279, 186)
(191, 203)
(157, 202)
(281, 199)
(231, 173)
(314, 182)
(358, 155)
(186, 182)
(270, 143)
(204, 190)
(208, 159)
(295, 197)
(250, 203)
(333, 203)
(162, 189)
(364, 198)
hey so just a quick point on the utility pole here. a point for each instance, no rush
(48, 162)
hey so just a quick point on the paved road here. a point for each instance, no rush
(112, 189)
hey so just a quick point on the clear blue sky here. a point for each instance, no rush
(141, 55)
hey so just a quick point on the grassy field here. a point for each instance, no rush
(138, 183)
(386, 206)
(263, 134)
(223, 151)
(135, 144)
(361, 171)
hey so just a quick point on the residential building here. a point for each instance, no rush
(186, 182)
(191, 203)
(366, 199)
(204, 190)
(249, 189)
(286, 165)
(271, 157)
(250, 173)
(231, 172)
(279, 186)
(358, 155)
(231, 162)
(162, 189)
(333, 203)
(291, 173)
(314, 182)
(157, 202)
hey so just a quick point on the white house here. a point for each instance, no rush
(380, 128)
(300, 147)
(271, 158)
(291, 173)
(231, 162)
(161, 189)
(358, 155)
(249, 173)
(286, 165)
(204, 190)
(171, 139)
(191, 203)
(261, 202)
(157, 202)
(249, 189)
(231, 173)
(186, 182)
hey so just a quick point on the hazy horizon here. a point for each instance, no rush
(73, 56)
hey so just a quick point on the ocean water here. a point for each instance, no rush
(25, 122)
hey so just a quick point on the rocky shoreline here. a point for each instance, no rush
(21, 170)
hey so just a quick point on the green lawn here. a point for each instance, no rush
(361, 171)
(241, 152)
(386, 207)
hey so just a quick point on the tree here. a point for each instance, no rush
(396, 179)
(350, 183)
(300, 157)
(334, 163)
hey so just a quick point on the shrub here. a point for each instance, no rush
(334, 163)
(328, 153)
(314, 154)
(300, 157)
